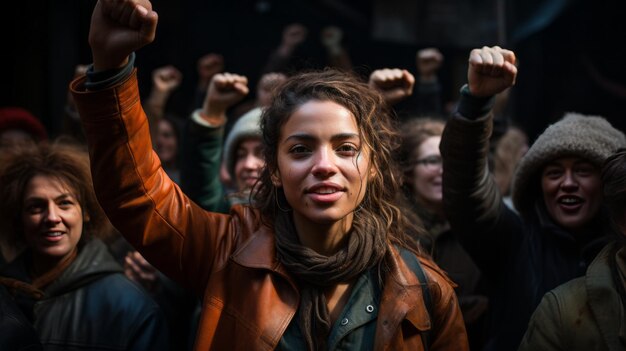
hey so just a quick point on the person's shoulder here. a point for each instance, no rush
(571, 292)
(567, 302)
(434, 272)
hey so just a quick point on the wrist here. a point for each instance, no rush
(97, 80)
(471, 106)
(100, 65)
(213, 119)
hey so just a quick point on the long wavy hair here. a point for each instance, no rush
(377, 129)
(65, 163)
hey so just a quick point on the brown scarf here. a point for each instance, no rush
(316, 272)
(40, 282)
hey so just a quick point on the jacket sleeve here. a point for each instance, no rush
(544, 329)
(201, 161)
(150, 210)
(488, 230)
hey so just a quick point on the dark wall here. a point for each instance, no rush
(571, 52)
(42, 42)
(576, 63)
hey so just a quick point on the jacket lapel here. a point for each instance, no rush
(259, 252)
(401, 300)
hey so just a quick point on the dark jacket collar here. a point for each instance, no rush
(92, 262)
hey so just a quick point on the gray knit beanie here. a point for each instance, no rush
(590, 137)
(247, 126)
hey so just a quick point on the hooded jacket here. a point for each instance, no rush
(249, 298)
(523, 257)
(91, 305)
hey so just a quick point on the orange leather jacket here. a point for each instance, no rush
(248, 298)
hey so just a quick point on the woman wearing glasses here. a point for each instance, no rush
(422, 167)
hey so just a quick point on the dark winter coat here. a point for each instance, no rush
(92, 306)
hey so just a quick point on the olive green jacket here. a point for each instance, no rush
(585, 314)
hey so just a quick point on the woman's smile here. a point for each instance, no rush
(325, 192)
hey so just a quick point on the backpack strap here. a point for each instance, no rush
(414, 264)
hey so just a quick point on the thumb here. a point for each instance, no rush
(241, 88)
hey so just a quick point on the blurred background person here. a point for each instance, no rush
(422, 166)
(19, 126)
(164, 127)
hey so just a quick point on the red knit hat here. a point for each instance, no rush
(19, 118)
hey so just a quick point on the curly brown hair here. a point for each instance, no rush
(66, 163)
(378, 133)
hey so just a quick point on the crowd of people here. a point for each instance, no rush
(319, 210)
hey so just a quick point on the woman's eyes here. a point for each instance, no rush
(298, 149)
(343, 149)
(240, 154)
(35, 208)
(347, 149)
(553, 173)
(65, 203)
(580, 170)
(584, 170)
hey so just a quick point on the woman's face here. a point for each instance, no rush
(166, 143)
(249, 162)
(572, 191)
(323, 166)
(427, 172)
(52, 218)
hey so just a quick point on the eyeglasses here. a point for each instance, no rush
(430, 161)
